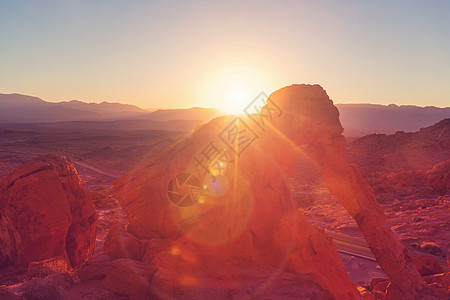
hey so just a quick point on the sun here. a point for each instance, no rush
(232, 85)
(237, 97)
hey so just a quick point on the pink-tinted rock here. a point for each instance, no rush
(45, 213)
(365, 293)
(381, 286)
(5, 294)
(429, 247)
(153, 247)
(130, 278)
(374, 281)
(95, 268)
(426, 264)
(47, 267)
(441, 279)
(178, 277)
(121, 244)
(318, 127)
(62, 280)
(439, 177)
(245, 212)
(431, 291)
(379, 295)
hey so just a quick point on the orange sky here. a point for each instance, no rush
(206, 53)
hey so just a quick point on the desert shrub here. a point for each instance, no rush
(42, 289)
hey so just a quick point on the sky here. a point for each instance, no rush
(170, 54)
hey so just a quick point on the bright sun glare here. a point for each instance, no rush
(232, 86)
(236, 99)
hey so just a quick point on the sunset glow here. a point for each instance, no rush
(236, 99)
(161, 54)
(224, 149)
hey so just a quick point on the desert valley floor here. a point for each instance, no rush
(395, 166)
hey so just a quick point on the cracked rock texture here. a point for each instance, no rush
(45, 212)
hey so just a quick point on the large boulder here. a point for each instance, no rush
(439, 177)
(426, 264)
(45, 212)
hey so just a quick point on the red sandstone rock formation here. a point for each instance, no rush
(121, 244)
(46, 267)
(434, 138)
(45, 212)
(131, 278)
(312, 120)
(439, 177)
(240, 213)
(245, 216)
(396, 165)
(426, 264)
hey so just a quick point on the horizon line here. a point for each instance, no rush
(168, 108)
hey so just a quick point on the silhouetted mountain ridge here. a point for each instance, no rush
(357, 119)
(22, 108)
(362, 119)
(16, 108)
(194, 113)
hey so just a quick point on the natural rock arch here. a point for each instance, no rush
(245, 214)
(319, 127)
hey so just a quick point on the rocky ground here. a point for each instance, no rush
(396, 166)
(86, 283)
(100, 157)
(116, 151)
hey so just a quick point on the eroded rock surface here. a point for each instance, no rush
(245, 215)
(311, 124)
(400, 165)
(121, 244)
(45, 212)
(220, 195)
(426, 264)
(131, 278)
(439, 177)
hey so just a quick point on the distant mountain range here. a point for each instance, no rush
(362, 119)
(357, 119)
(16, 108)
